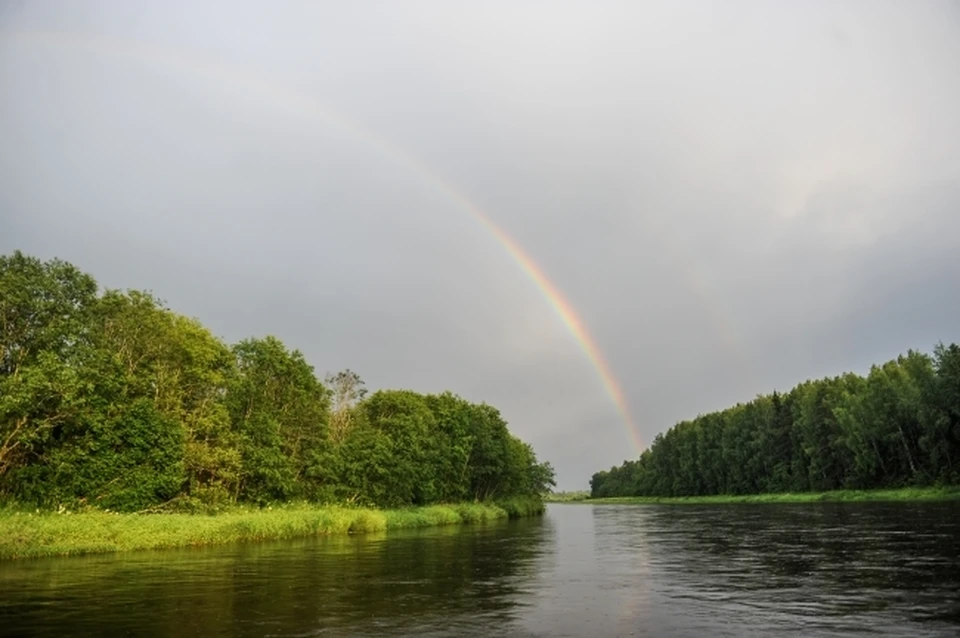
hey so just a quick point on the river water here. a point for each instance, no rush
(581, 570)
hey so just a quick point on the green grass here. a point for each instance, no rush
(28, 534)
(566, 497)
(908, 494)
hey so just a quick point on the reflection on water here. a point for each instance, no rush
(737, 570)
(441, 578)
(822, 569)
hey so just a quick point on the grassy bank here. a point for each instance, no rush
(26, 534)
(566, 497)
(909, 494)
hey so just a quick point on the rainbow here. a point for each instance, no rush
(312, 108)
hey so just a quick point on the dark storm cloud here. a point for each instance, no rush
(734, 197)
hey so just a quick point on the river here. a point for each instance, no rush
(581, 570)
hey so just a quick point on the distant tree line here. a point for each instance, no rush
(111, 399)
(899, 426)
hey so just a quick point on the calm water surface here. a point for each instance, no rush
(731, 570)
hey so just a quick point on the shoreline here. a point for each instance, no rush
(906, 494)
(37, 534)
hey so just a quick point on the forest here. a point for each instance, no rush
(110, 399)
(897, 427)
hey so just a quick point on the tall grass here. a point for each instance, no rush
(521, 506)
(566, 497)
(26, 534)
(911, 494)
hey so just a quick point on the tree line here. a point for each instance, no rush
(109, 398)
(898, 426)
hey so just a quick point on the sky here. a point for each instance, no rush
(731, 197)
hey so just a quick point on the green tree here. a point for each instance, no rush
(900, 425)
(940, 441)
(43, 313)
(144, 350)
(453, 442)
(280, 411)
(117, 401)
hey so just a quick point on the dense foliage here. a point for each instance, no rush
(899, 426)
(112, 399)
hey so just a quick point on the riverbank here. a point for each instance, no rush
(566, 497)
(905, 494)
(25, 534)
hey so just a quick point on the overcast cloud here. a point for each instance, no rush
(734, 196)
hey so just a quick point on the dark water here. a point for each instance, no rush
(732, 570)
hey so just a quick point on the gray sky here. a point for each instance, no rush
(734, 196)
